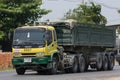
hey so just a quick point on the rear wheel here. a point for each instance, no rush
(74, 67)
(20, 71)
(82, 64)
(105, 63)
(99, 62)
(111, 63)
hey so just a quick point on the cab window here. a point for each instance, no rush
(55, 37)
(49, 40)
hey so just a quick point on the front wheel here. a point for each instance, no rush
(20, 71)
(54, 68)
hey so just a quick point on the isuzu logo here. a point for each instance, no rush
(27, 49)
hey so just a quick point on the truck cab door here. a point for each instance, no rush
(51, 42)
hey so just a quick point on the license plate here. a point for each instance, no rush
(27, 60)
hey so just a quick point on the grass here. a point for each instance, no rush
(6, 69)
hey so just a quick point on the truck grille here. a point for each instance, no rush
(28, 54)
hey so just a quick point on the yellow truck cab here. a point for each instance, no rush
(33, 48)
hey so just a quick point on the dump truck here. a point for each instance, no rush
(63, 47)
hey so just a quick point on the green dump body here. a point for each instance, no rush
(85, 35)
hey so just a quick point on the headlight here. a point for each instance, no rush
(40, 54)
(16, 54)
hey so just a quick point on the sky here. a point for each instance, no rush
(60, 7)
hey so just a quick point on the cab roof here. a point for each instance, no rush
(34, 27)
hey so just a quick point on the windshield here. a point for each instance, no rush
(29, 37)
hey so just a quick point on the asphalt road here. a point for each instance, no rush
(90, 75)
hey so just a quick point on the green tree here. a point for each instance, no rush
(87, 14)
(118, 11)
(14, 13)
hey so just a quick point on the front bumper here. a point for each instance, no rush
(34, 60)
(35, 64)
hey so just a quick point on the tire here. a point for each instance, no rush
(82, 65)
(74, 67)
(111, 63)
(20, 71)
(105, 64)
(54, 68)
(99, 62)
(86, 67)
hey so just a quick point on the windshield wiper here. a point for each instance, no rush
(39, 43)
(28, 42)
(20, 42)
